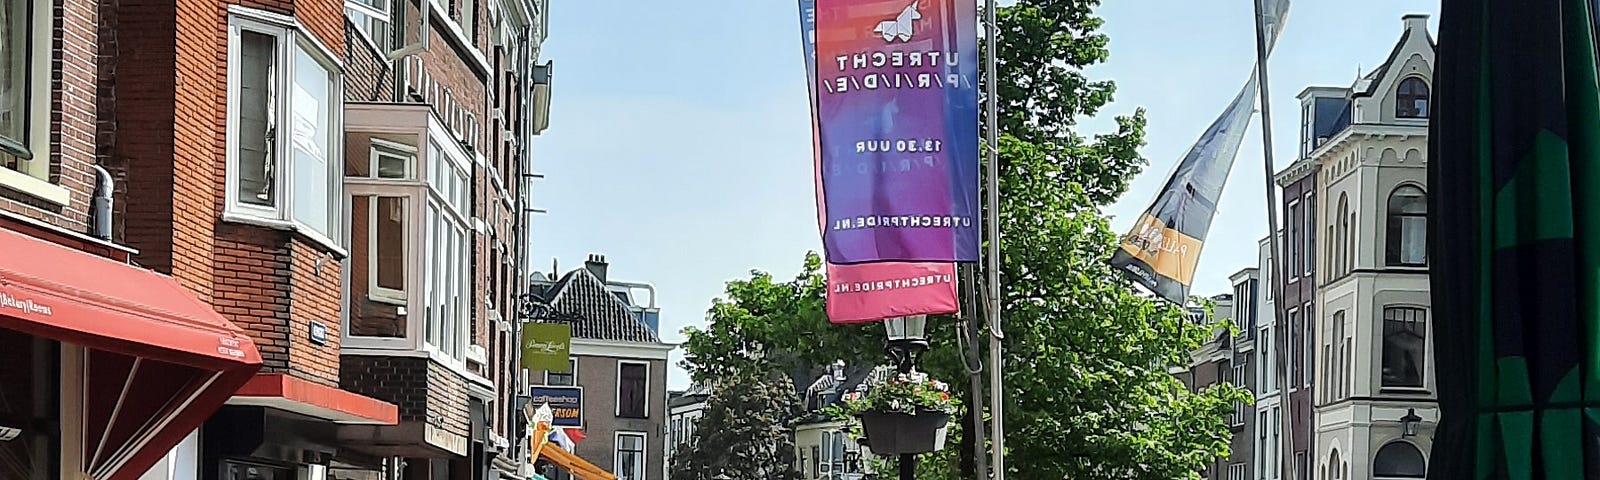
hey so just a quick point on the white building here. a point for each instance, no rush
(684, 410)
(1268, 453)
(1373, 359)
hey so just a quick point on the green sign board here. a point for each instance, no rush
(545, 346)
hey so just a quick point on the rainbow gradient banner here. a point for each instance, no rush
(874, 291)
(896, 106)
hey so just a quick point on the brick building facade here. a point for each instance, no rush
(223, 129)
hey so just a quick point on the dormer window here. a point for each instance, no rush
(1411, 101)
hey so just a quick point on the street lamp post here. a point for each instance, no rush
(908, 337)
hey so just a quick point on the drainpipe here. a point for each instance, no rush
(100, 224)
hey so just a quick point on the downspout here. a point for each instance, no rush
(100, 223)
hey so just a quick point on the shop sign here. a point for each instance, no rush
(230, 347)
(546, 346)
(566, 404)
(26, 305)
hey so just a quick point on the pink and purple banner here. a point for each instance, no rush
(874, 291)
(896, 105)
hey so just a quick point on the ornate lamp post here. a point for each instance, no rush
(908, 338)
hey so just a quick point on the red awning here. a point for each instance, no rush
(159, 361)
(297, 395)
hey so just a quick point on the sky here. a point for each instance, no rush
(680, 147)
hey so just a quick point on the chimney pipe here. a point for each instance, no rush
(101, 204)
(597, 265)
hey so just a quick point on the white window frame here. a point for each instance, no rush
(573, 369)
(428, 129)
(33, 175)
(371, 12)
(644, 453)
(289, 35)
(646, 396)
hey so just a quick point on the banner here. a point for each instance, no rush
(895, 99)
(546, 346)
(1163, 249)
(870, 292)
(566, 404)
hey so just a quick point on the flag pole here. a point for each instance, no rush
(992, 220)
(1286, 421)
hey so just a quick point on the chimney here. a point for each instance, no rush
(597, 265)
(1416, 21)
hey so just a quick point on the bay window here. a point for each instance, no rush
(407, 191)
(283, 111)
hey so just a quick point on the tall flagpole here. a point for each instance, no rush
(996, 355)
(1286, 421)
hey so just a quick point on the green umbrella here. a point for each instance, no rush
(1515, 240)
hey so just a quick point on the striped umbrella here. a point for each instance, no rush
(1515, 240)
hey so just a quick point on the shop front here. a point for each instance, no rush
(107, 366)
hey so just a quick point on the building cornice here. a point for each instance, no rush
(1301, 168)
(615, 349)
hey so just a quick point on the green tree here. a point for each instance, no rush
(744, 432)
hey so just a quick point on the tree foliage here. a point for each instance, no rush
(744, 432)
(1087, 391)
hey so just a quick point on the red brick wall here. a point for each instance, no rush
(315, 286)
(252, 264)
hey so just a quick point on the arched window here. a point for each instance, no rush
(1411, 101)
(1399, 460)
(1407, 235)
(1334, 465)
(1343, 262)
(1405, 346)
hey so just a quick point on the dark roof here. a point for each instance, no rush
(1378, 76)
(596, 313)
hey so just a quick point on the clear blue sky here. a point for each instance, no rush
(679, 143)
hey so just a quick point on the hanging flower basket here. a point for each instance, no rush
(894, 433)
(903, 414)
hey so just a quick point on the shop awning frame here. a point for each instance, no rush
(146, 361)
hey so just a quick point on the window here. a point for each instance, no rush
(1411, 100)
(25, 55)
(1267, 366)
(1308, 236)
(568, 378)
(632, 389)
(816, 460)
(1310, 346)
(1405, 338)
(1294, 236)
(630, 456)
(1240, 409)
(1341, 243)
(372, 18)
(1296, 362)
(1399, 460)
(283, 111)
(1407, 236)
(1339, 383)
(1301, 469)
(1237, 471)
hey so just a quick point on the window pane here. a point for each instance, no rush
(375, 311)
(1404, 346)
(435, 277)
(257, 119)
(391, 243)
(631, 390)
(312, 122)
(15, 43)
